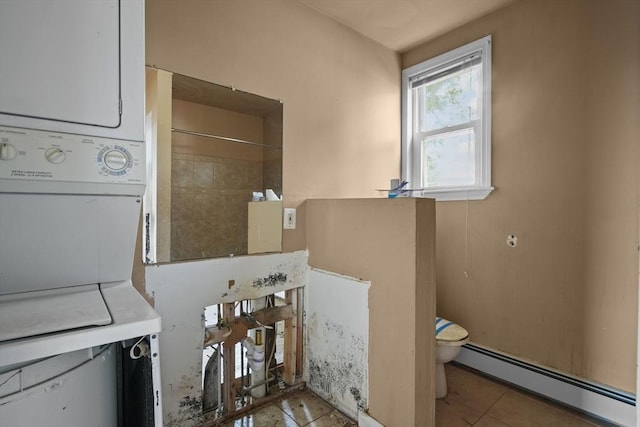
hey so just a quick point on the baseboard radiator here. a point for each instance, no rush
(595, 399)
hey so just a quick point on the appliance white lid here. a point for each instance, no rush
(37, 313)
(132, 317)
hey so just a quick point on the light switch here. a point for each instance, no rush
(289, 219)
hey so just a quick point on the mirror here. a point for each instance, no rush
(209, 148)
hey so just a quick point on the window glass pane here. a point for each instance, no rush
(449, 159)
(448, 101)
(446, 123)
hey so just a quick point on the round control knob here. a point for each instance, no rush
(115, 160)
(7, 151)
(54, 155)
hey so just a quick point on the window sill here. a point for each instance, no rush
(453, 194)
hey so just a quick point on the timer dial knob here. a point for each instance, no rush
(54, 155)
(115, 160)
(7, 151)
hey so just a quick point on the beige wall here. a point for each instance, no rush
(613, 162)
(341, 99)
(340, 90)
(390, 242)
(566, 155)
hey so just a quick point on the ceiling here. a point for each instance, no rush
(403, 24)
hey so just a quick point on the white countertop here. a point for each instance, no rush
(131, 317)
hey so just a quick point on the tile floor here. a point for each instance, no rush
(302, 408)
(473, 400)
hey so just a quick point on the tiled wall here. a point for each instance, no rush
(272, 170)
(212, 179)
(209, 204)
(272, 157)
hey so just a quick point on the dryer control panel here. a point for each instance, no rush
(69, 163)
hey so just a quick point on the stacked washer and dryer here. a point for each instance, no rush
(72, 176)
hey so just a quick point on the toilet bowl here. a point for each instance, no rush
(449, 339)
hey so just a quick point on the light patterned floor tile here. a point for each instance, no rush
(333, 419)
(487, 421)
(512, 408)
(453, 414)
(592, 420)
(304, 407)
(268, 416)
(569, 417)
(519, 410)
(472, 390)
(577, 422)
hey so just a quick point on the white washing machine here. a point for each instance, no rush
(69, 213)
(72, 389)
(72, 171)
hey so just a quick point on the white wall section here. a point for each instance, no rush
(337, 339)
(182, 290)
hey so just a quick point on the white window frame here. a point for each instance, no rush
(411, 156)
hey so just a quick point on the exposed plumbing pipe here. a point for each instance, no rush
(255, 360)
(255, 354)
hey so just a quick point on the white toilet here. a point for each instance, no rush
(449, 338)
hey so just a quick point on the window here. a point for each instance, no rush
(446, 129)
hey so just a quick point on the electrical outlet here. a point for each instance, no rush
(289, 219)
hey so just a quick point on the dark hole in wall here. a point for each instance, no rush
(136, 390)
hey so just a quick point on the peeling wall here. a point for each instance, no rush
(337, 340)
(390, 242)
(181, 291)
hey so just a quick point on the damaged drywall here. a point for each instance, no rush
(182, 290)
(337, 339)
